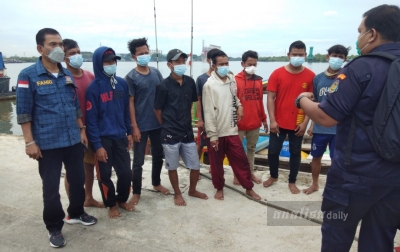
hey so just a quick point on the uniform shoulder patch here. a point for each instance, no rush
(341, 76)
(68, 80)
(334, 87)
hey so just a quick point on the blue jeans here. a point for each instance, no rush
(275, 146)
(50, 172)
(139, 149)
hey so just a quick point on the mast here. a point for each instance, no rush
(155, 26)
(191, 46)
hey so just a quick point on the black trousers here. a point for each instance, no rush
(118, 157)
(50, 171)
(275, 146)
(139, 149)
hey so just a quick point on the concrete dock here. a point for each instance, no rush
(234, 224)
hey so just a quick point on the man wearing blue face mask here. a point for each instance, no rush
(173, 104)
(49, 113)
(142, 82)
(73, 59)
(362, 185)
(222, 112)
(284, 85)
(109, 130)
(324, 136)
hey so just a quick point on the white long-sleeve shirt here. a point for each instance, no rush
(220, 106)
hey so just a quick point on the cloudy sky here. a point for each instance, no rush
(267, 26)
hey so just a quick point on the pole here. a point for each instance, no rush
(191, 47)
(155, 26)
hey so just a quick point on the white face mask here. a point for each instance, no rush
(250, 69)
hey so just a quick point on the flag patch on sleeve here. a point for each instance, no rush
(23, 84)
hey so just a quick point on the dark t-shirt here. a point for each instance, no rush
(201, 80)
(175, 101)
(143, 88)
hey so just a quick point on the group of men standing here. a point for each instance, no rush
(83, 120)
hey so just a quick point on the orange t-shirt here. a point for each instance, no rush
(288, 87)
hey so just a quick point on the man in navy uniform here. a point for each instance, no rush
(369, 189)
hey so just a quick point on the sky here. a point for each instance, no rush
(266, 26)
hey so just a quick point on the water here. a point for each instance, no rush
(8, 120)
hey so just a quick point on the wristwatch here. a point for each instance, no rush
(297, 101)
(82, 128)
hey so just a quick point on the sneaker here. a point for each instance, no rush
(57, 239)
(84, 219)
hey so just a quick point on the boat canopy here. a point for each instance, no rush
(2, 66)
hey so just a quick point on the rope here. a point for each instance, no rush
(317, 221)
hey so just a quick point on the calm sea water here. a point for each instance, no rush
(8, 121)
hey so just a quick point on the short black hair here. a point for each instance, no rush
(40, 36)
(249, 54)
(132, 44)
(298, 45)
(217, 54)
(69, 44)
(385, 19)
(339, 49)
(211, 52)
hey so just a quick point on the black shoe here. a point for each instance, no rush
(84, 219)
(56, 239)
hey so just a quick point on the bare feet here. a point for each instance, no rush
(161, 189)
(198, 194)
(113, 212)
(128, 207)
(179, 200)
(256, 179)
(311, 189)
(219, 195)
(269, 181)
(293, 188)
(235, 181)
(134, 200)
(253, 194)
(93, 203)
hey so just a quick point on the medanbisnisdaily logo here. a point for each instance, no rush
(300, 213)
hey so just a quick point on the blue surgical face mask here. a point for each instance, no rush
(143, 60)
(335, 63)
(110, 69)
(297, 61)
(76, 60)
(223, 70)
(180, 69)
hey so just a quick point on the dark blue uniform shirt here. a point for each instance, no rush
(357, 89)
(51, 105)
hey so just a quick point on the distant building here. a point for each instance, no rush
(206, 49)
(155, 52)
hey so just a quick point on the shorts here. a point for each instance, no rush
(201, 138)
(319, 143)
(188, 152)
(89, 156)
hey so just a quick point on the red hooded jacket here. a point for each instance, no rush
(250, 94)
